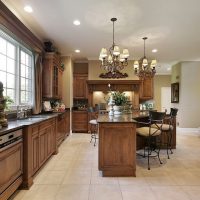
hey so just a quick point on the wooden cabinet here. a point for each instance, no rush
(80, 86)
(117, 149)
(39, 145)
(146, 90)
(35, 151)
(11, 168)
(52, 76)
(80, 121)
(63, 121)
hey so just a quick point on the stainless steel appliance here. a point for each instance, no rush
(11, 162)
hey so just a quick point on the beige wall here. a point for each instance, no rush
(176, 73)
(95, 70)
(189, 99)
(159, 82)
(67, 89)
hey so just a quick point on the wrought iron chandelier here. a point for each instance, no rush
(113, 61)
(143, 68)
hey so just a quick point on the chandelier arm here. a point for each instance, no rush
(115, 61)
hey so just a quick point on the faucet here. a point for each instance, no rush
(21, 113)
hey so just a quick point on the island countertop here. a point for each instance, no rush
(103, 118)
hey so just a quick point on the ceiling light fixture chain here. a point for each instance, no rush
(143, 68)
(115, 61)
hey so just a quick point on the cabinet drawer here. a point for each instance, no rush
(46, 124)
(80, 116)
(80, 127)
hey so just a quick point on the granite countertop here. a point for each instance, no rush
(122, 118)
(18, 124)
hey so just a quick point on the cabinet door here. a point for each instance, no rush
(80, 121)
(60, 131)
(60, 84)
(35, 152)
(67, 123)
(80, 86)
(43, 146)
(47, 78)
(50, 76)
(10, 165)
(147, 89)
(49, 141)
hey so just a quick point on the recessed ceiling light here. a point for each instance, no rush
(76, 22)
(155, 50)
(28, 9)
(77, 51)
(169, 68)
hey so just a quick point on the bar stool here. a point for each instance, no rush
(93, 125)
(152, 135)
(167, 129)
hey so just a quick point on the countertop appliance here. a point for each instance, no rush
(11, 162)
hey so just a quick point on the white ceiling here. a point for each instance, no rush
(172, 27)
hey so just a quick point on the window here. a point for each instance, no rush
(16, 70)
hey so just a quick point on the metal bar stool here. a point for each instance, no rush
(152, 135)
(93, 125)
(167, 129)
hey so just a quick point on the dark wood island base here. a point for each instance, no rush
(117, 146)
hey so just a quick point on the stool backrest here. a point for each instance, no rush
(93, 114)
(173, 112)
(156, 117)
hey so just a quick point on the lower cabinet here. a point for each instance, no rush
(80, 121)
(11, 169)
(63, 124)
(39, 145)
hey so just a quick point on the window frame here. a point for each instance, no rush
(19, 46)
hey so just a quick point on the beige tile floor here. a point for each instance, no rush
(73, 175)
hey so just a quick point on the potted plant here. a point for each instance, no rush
(120, 100)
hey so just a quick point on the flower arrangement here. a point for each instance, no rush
(119, 98)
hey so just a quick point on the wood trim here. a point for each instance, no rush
(121, 85)
(12, 23)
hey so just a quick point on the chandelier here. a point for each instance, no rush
(114, 61)
(144, 68)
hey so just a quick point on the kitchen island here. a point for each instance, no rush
(117, 144)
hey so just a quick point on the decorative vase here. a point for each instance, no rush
(117, 110)
(111, 103)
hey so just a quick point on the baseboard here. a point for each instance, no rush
(195, 131)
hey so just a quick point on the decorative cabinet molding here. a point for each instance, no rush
(119, 85)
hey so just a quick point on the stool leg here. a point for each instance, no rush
(160, 142)
(95, 139)
(171, 142)
(168, 141)
(148, 152)
(90, 136)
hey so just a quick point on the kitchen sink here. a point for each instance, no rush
(38, 116)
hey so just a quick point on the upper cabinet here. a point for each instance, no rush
(80, 90)
(52, 76)
(80, 71)
(146, 89)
